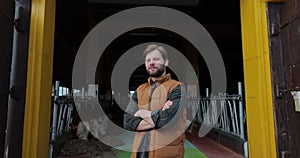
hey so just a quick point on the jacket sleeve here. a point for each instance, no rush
(163, 117)
(131, 122)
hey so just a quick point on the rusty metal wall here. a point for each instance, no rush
(6, 34)
(290, 27)
(285, 67)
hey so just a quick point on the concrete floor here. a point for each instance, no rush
(200, 146)
(211, 148)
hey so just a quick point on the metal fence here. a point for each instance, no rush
(62, 113)
(226, 111)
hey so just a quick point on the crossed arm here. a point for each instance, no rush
(147, 122)
(139, 120)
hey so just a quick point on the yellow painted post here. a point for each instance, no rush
(39, 80)
(257, 74)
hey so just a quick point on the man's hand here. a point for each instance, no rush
(147, 122)
(144, 125)
(167, 105)
(142, 113)
(145, 115)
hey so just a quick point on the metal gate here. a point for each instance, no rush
(232, 112)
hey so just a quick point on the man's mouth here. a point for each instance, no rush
(152, 68)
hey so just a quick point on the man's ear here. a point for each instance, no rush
(166, 62)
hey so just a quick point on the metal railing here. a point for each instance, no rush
(226, 112)
(62, 113)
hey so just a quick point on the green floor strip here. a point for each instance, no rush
(190, 152)
(193, 153)
(122, 154)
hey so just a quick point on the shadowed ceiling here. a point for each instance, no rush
(75, 18)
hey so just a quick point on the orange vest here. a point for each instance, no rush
(158, 138)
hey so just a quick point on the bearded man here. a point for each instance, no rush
(156, 112)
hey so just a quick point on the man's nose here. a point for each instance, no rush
(151, 64)
(151, 61)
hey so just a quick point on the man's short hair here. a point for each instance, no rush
(153, 47)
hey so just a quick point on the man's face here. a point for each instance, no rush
(155, 64)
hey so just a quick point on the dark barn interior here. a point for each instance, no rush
(76, 18)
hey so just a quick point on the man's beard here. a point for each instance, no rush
(158, 73)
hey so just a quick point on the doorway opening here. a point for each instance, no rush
(74, 19)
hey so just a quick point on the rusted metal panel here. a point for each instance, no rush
(290, 27)
(282, 125)
(285, 67)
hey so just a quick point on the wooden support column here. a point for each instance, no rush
(258, 89)
(39, 80)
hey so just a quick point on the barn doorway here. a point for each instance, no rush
(74, 19)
